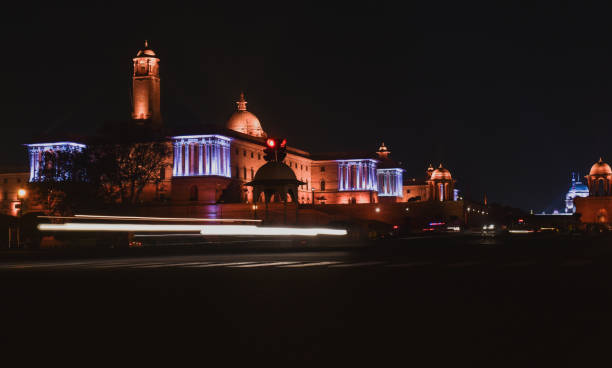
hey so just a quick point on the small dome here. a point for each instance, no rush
(441, 174)
(600, 168)
(244, 121)
(274, 170)
(146, 51)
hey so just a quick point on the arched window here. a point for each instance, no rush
(322, 184)
(193, 193)
(601, 188)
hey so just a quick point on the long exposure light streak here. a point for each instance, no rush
(203, 229)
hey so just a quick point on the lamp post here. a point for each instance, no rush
(21, 194)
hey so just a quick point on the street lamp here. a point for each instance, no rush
(21, 194)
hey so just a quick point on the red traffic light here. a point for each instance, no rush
(271, 143)
(283, 143)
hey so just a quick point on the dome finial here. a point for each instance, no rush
(146, 44)
(439, 167)
(241, 103)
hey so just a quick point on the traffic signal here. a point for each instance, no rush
(281, 151)
(276, 149)
(270, 150)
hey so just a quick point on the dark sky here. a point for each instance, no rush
(510, 99)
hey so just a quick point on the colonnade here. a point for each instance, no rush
(357, 175)
(201, 155)
(390, 182)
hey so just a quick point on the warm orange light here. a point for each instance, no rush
(21, 193)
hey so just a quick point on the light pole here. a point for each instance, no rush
(21, 194)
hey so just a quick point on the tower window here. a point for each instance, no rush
(244, 153)
(244, 171)
(259, 156)
(252, 173)
(251, 154)
(322, 168)
(322, 184)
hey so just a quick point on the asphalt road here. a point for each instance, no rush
(427, 302)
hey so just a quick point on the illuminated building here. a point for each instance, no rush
(213, 164)
(11, 180)
(577, 189)
(597, 206)
(41, 153)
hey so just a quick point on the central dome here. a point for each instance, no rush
(441, 174)
(244, 121)
(600, 168)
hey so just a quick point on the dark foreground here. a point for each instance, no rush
(423, 302)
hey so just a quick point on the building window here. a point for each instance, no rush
(5, 180)
(237, 172)
(244, 153)
(301, 167)
(193, 193)
(244, 171)
(259, 156)
(322, 184)
(322, 168)
(237, 151)
(252, 173)
(19, 180)
(162, 173)
(251, 154)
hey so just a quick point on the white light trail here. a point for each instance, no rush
(203, 229)
(263, 231)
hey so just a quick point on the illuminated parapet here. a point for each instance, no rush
(201, 155)
(390, 182)
(42, 154)
(356, 175)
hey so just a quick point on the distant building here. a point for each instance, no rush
(597, 207)
(577, 189)
(11, 180)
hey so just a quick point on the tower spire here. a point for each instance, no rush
(146, 44)
(241, 103)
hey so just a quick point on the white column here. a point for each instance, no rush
(200, 158)
(186, 173)
(207, 154)
(31, 152)
(175, 159)
(37, 164)
(179, 171)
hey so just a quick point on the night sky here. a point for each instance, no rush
(510, 99)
